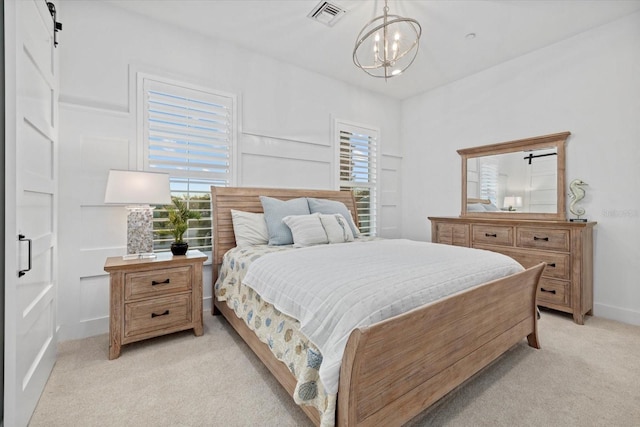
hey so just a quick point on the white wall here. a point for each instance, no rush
(588, 85)
(285, 114)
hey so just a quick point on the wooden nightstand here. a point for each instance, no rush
(152, 297)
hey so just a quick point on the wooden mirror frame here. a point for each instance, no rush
(556, 140)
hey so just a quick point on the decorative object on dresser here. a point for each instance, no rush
(537, 232)
(152, 297)
(577, 193)
(138, 190)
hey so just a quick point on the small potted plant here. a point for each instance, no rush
(179, 216)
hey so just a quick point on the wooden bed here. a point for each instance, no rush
(393, 370)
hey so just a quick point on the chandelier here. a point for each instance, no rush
(387, 45)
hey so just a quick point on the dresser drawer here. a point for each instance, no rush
(546, 239)
(156, 314)
(557, 292)
(558, 265)
(493, 234)
(157, 282)
(453, 234)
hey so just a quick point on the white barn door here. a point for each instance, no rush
(31, 85)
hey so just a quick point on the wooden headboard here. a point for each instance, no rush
(482, 201)
(247, 199)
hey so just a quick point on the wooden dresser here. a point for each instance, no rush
(566, 247)
(152, 297)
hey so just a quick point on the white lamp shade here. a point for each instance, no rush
(137, 188)
(512, 202)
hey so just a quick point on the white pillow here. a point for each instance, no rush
(337, 228)
(329, 207)
(249, 228)
(307, 230)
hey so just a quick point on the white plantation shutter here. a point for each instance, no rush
(357, 161)
(188, 133)
(489, 179)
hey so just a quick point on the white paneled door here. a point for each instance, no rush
(31, 204)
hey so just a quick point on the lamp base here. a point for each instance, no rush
(139, 230)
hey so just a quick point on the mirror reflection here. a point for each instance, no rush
(520, 181)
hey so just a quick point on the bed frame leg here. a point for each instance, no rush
(532, 339)
(214, 310)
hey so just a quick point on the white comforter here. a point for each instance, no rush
(333, 289)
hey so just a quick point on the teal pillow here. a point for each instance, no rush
(329, 207)
(275, 210)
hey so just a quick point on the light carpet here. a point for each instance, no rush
(583, 376)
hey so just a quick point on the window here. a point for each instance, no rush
(489, 184)
(357, 170)
(188, 133)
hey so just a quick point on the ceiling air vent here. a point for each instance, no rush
(327, 13)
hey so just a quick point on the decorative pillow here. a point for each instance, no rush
(490, 207)
(249, 228)
(337, 228)
(307, 230)
(325, 206)
(275, 210)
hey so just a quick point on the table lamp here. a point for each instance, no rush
(138, 190)
(512, 202)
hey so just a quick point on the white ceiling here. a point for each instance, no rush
(280, 29)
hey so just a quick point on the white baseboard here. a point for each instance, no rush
(619, 314)
(84, 329)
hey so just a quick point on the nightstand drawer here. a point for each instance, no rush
(547, 239)
(556, 292)
(493, 234)
(157, 314)
(157, 282)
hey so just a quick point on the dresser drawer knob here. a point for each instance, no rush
(166, 312)
(546, 239)
(550, 291)
(490, 235)
(551, 264)
(164, 282)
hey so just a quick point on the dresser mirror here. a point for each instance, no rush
(521, 179)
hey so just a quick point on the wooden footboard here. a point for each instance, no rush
(393, 370)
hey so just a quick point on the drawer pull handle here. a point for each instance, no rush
(490, 235)
(546, 239)
(161, 314)
(551, 291)
(164, 282)
(551, 264)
